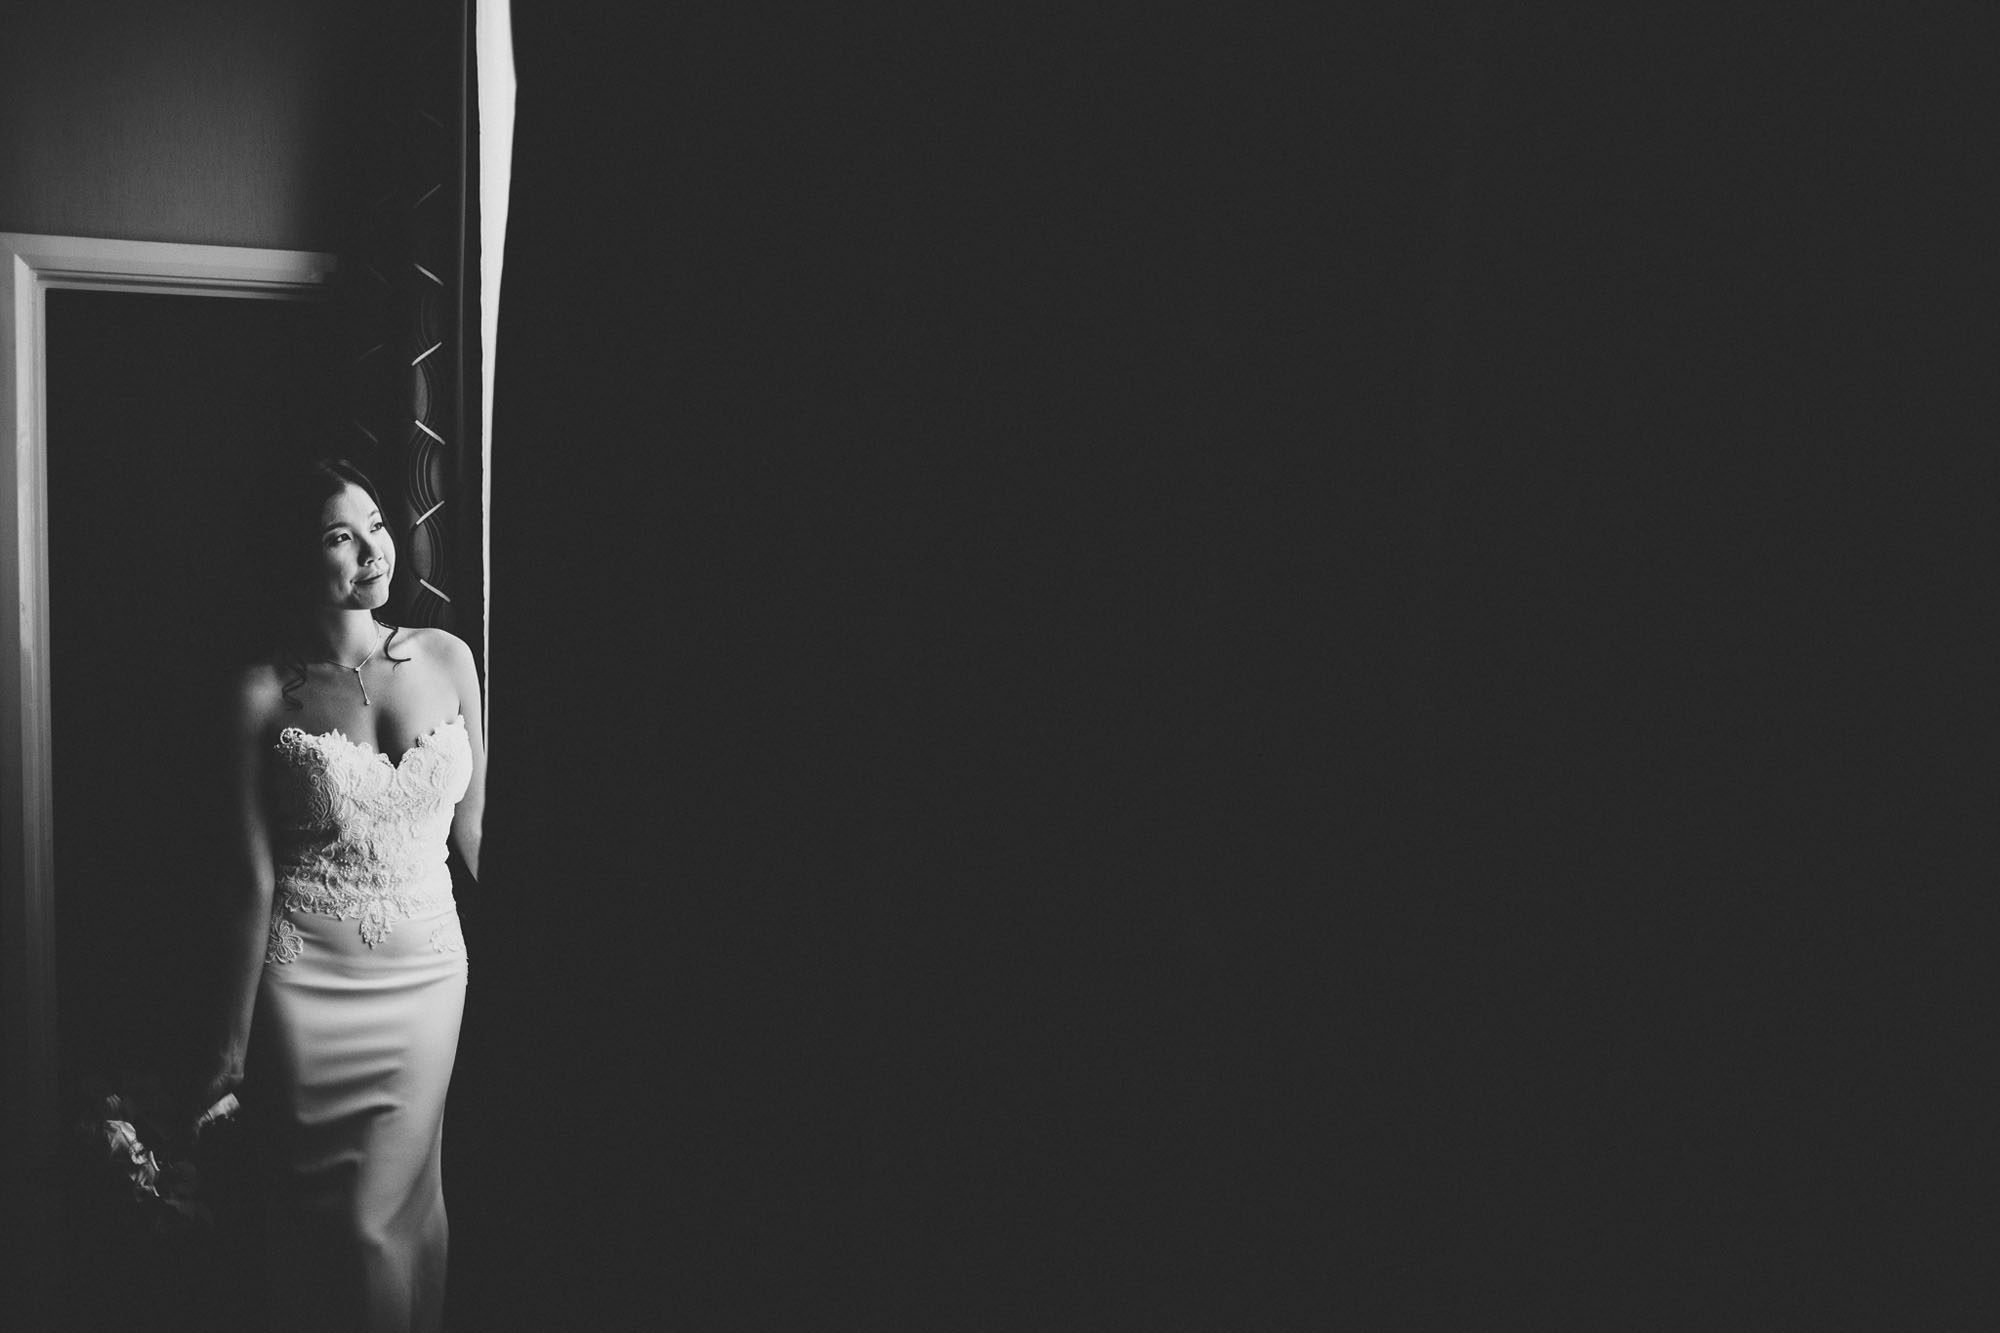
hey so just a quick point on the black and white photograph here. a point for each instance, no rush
(995, 667)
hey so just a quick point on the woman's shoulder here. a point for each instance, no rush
(440, 651)
(438, 644)
(257, 691)
(256, 679)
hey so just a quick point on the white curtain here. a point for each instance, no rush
(493, 54)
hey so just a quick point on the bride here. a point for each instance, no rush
(358, 751)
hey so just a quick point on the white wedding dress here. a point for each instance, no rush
(356, 1028)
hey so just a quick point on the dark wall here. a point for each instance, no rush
(1198, 671)
(912, 677)
(230, 122)
(1704, 743)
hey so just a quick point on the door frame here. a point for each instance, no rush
(30, 266)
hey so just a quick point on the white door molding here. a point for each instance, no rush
(29, 267)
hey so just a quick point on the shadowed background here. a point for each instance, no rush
(1175, 671)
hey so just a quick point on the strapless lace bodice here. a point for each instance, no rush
(358, 837)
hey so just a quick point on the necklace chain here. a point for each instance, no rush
(380, 639)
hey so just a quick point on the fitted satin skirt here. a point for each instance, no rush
(351, 1058)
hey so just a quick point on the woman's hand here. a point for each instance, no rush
(225, 1079)
(221, 1086)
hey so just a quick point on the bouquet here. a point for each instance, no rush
(132, 1152)
(161, 1218)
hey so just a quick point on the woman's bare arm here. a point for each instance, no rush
(468, 821)
(246, 909)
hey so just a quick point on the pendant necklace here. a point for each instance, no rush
(379, 641)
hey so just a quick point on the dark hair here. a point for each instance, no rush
(288, 564)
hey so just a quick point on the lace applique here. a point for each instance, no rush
(362, 838)
(285, 945)
(448, 938)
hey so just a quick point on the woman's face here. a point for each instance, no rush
(357, 555)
